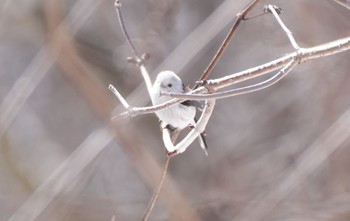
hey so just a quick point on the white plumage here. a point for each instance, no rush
(180, 115)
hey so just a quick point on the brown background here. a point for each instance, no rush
(256, 141)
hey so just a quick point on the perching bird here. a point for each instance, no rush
(181, 115)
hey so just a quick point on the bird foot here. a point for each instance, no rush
(204, 133)
(173, 153)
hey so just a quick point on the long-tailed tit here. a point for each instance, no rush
(180, 115)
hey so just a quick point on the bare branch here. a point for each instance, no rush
(243, 90)
(139, 61)
(272, 9)
(239, 17)
(146, 78)
(119, 96)
(303, 54)
(117, 5)
(157, 190)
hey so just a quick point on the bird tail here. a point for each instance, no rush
(203, 143)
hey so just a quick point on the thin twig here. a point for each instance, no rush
(220, 52)
(133, 111)
(153, 200)
(117, 6)
(138, 60)
(157, 189)
(146, 78)
(180, 147)
(272, 9)
(119, 96)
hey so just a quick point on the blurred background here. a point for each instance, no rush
(278, 154)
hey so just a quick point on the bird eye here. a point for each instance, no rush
(170, 85)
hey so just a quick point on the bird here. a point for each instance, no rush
(181, 115)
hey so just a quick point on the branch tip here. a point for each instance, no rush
(117, 4)
(138, 61)
(267, 9)
(119, 96)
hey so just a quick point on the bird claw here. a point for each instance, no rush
(204, 133)
(173, 153)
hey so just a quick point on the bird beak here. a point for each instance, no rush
(162, 89)
(162, 86)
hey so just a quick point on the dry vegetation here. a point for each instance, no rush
(278, 154)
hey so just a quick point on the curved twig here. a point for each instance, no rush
(156, 193)
(194, 133)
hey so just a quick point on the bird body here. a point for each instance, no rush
(180, 115)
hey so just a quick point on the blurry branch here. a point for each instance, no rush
(310, 160)
(24, 86)
(62, 46)
(64, 177)
(15, 99)
(345, 3)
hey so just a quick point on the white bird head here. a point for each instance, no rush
(168, 81)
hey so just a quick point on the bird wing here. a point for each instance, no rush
(192, 103)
